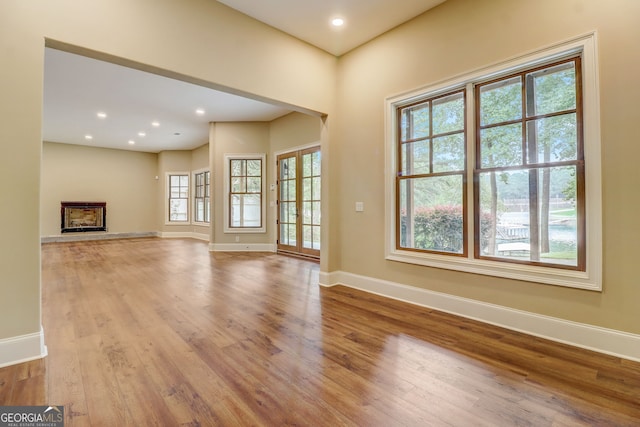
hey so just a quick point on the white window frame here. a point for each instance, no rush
(194, 198)
(167, 216)
(591, 279)
(227, 189)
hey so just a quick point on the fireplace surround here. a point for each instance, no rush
(83, 216)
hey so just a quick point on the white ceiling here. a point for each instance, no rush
(76, 87)
(309, 20)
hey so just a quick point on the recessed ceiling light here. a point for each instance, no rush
(131, 142)
(155, 124)
(200, 112)
(88, 137)
(337, 22)
(142, 134)
(102, 115)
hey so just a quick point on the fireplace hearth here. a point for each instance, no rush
(83, 216)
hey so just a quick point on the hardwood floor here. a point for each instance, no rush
(162, 332)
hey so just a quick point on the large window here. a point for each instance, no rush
(178, 203)
(244, 209)
(498, 172)
(202, 197)
(529, 172)
(431, 178)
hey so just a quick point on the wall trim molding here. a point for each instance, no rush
(183, 235)
(102, 236)
(608, 341)
(242, 247)
(22, 348)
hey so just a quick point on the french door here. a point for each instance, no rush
(299, 202)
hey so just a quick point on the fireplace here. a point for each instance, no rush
(83, 216)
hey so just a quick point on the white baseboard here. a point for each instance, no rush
(22, 348)
(602, 340)
(183, 235)
(76, 237)
(242, 247)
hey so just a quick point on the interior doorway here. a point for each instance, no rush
(299, 189)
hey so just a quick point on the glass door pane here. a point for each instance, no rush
(299, 187)
(287, 202)
(311, 200)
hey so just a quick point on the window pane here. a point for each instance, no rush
(238, 185)
(415, 158)
(288, 168)
(306, 212)
(501, 146)
(316, 188)
(292, 190)
(415, 122)
(291, 233)
(254, 167)
(200, 210)
(506, 226)
(555, 138)
(501, 101)
(315, 217)
(448, 153)
(306, 165)
(315, 231)
(254, 185)
(292, 212)
(315, 163)
(251, 211)
(235, 216)
(552, 89)
(306, 189)
(237, 168)
(431, 215)
(307, 236)
(448, 114)
(178, 210)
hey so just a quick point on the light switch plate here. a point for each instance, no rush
(359, 206)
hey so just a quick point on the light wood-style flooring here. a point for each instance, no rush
(162, 332)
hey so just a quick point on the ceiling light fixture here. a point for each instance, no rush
(101, 115)
(131, 142)
(142, 134)
(155, 124)
(337, 22)
(89, 137)
(200, 112)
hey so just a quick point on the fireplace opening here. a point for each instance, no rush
(83, 216)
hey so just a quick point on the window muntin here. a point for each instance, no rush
(431, 203)
(202, 197)
(529, 168)
(178, 201)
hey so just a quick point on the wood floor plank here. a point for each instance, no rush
(163, 332)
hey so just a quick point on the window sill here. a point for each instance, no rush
(589, 280)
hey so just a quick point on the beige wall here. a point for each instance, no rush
(123, 179)
(237, 138)
(201, 39)
(294, 130)
(460, 36)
